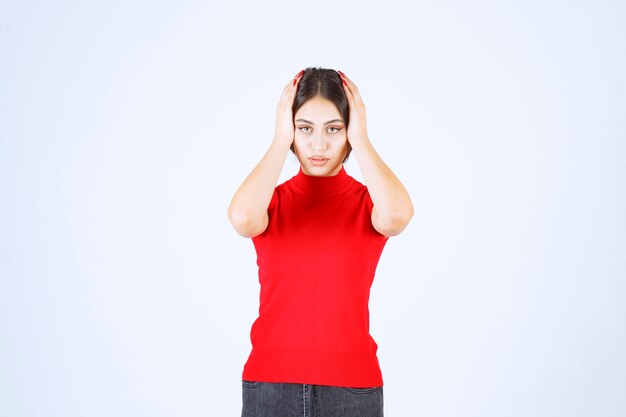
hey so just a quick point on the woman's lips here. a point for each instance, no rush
(318, 160)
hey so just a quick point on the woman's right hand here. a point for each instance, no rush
(285, 130)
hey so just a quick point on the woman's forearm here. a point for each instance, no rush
(393, 208)
(248, 209)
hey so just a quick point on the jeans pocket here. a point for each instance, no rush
(368, 390)
(250, 384)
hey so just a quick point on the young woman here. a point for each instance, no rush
(318, 238)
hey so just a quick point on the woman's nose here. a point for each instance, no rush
(318, 143)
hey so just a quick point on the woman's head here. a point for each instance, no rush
(320, 96)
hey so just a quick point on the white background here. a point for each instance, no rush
(126, 127)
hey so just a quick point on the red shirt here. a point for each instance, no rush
(317, 260)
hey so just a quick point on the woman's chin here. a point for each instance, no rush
(325, 170)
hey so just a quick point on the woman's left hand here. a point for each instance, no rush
(357, 127)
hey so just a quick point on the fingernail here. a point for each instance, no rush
(300, 73)
(294, 81)
(342, 74)
(343, 81)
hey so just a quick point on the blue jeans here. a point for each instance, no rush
(269, 399)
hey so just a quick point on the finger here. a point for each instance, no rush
(348, 91)
(297, 77)
(354, 91)
(347, 84)
(349, 95)
(294, 81)
(290, 89)
(351, 84)
(292, 86)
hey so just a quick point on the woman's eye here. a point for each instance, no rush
(303, 128)
(334, 129)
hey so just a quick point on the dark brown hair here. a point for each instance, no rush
(325, 83)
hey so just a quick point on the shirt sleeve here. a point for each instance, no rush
(271, 211)
(273, 203)
(369, 204)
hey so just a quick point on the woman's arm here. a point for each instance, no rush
(248, 209)
(392, 205)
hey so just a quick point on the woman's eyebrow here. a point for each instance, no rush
(327, 123)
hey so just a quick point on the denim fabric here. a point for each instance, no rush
(268, 399)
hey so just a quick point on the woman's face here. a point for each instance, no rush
(320, 141)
